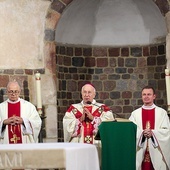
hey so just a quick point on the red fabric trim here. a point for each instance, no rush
(148, 116)
(88, 128)
(14, 131)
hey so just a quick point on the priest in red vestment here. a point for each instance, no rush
(19, 120)
(153, 134)
(81, 120)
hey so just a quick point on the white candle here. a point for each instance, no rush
(38, 90)
(167, 80)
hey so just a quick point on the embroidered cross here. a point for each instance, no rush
(148, 125)
(88, 139)
(15, 138)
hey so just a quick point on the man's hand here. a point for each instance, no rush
(14, 120)
(82, 118)
(147, 133)
(89, 115)
(18, 120)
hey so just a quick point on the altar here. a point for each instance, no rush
(71, 156)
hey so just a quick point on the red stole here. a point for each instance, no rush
(14, 131)
(148, 121)
(88, 128)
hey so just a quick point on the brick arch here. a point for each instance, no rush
(163, 6)
(53, 15)
(58, 6)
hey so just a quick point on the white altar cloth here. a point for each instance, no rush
(72, 156)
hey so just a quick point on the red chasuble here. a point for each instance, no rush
(148, 121)
(87, 125)
(14, 131)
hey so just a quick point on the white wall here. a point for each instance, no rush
(22, 27)
(22, 33)
(111, 22)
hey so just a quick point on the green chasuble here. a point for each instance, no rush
(118, 145)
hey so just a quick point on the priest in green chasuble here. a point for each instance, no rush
(153, 134)
(81, 120)
(19, 120)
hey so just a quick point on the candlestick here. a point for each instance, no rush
(167, 80)
(38, 89)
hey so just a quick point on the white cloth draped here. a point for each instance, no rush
(72, 156)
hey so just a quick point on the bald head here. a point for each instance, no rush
(88, 93)
(13, 90)
(13, 83)
(88, 86)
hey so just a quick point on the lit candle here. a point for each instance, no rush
(38, 89)
(167, 80)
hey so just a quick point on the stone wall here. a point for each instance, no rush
(20, 75)
(118, 73)
(32, 36)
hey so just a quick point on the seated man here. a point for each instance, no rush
(81, 120)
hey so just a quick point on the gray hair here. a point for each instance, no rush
(90, 85)
(13, 82)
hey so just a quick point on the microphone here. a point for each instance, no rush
(115, 114)
(89, 102)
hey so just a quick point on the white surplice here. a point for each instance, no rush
(159, 145)
(31, 118)
(69, 122)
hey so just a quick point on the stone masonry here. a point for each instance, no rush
(118, 74)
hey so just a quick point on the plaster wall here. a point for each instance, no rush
(22, 47)
(112, 23)
(22, 33)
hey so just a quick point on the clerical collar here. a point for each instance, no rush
(9, 101)
(149, 107)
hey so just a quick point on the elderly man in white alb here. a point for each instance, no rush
(81, 120)
(19, 120)
(153, 134)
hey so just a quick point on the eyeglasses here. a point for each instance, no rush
(13, 92)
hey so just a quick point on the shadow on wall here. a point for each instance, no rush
(1, 96)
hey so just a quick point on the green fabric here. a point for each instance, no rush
(118, 145)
